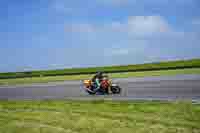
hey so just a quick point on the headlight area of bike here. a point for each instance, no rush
(87, 83)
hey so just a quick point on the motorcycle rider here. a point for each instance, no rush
(97, 81)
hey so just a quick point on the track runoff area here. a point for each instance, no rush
(180, 87)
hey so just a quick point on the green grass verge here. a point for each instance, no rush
(98, 117)
(193, 63)
(81, 77)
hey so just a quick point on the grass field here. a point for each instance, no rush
(114, 75)
(193, 63)
(98, 117)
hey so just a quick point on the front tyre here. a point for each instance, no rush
(115, 89)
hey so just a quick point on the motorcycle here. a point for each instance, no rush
(105, 84)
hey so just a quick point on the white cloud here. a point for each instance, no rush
(134, 26)
(147, 24)
(137, 37)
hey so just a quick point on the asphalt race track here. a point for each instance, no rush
(158, 88)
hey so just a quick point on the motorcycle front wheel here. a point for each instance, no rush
(115, 89)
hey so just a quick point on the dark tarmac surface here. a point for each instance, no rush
(185, 87)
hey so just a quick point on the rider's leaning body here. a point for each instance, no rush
(97, 80)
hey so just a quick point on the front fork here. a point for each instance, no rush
(109, 87)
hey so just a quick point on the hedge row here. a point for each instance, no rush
(194, 63)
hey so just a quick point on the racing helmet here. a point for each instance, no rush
(99, 73)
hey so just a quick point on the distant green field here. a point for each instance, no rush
(98, 117)
(88, 76)
(194, 63)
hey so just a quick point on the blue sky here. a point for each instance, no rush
(54, 34)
